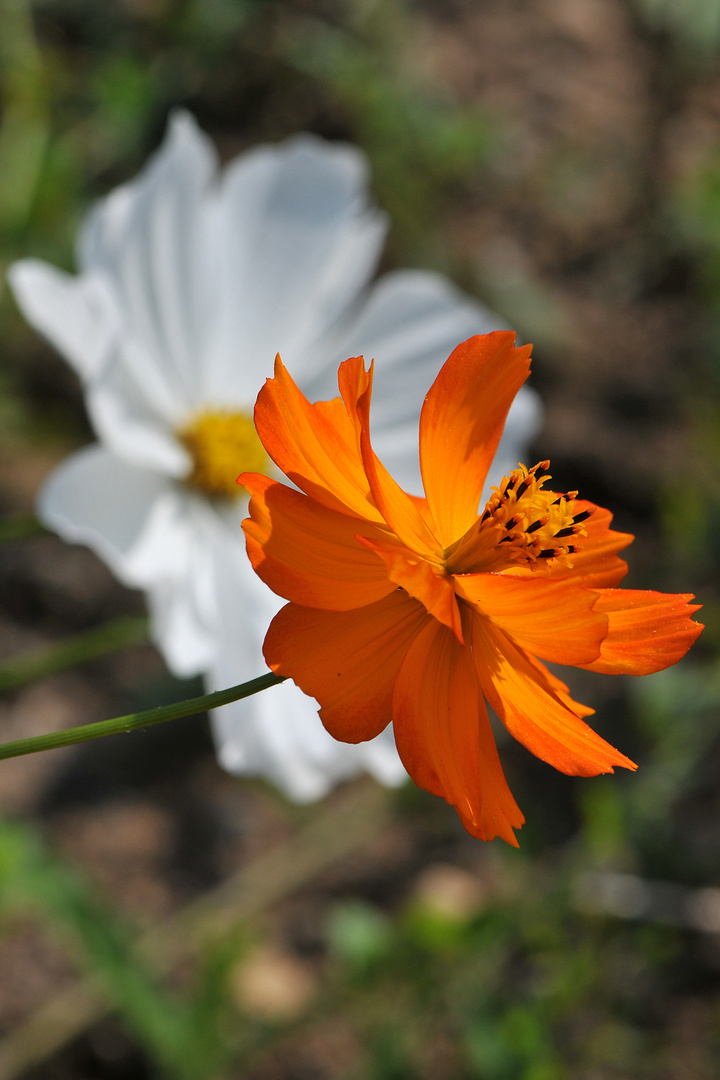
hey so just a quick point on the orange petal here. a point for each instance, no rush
(552, 619)
(532, 712)
(406, 517)
(596, 561)
(444, 738)
(310, 554)
(347, 660)
(422, 507)
(648, 631)
(314, 445)
(461, 424)
(559, 688)
(353, 382)
(420, 579)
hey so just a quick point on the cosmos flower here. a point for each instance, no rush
(419, 610)
(190, 281)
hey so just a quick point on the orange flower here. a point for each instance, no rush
(418, 610)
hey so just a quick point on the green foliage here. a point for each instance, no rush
(533, 990)
(694, 23)
(694, 217)
(419, 144)
(358, 934)
(679, 710)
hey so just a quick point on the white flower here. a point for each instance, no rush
(190, 281)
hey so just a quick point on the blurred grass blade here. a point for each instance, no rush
(24, 133)
(121, 724)
(351, 822)
(18, 526)
(71, 651)
(33, 879)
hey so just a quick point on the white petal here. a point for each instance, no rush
(96, 499)
(76, 314)
(178, 624)
(277, 734)
(410, 324)
(182, 586)
(127, 400)
(133, 414)
(152, 535)
(146, 238)
(298, 242)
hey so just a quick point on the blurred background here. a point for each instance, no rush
(560, 160)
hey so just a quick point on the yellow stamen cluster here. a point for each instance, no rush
(222, 445)
(521, 524)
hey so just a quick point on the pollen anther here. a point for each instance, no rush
(222, 445)
(521, 524)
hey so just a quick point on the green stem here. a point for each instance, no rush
(70, 651)
(121, 724)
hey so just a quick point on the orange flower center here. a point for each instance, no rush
(521, 525)
(222, 445)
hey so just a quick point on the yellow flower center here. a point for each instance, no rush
(222, 445)
(521, 525)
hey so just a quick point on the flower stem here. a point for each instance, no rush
(120, 724)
